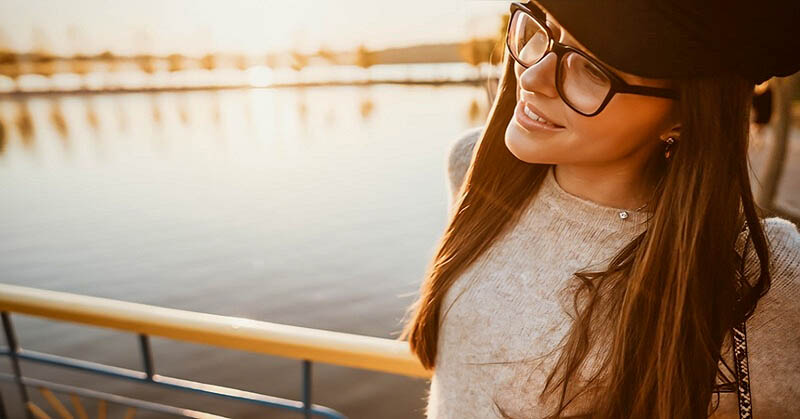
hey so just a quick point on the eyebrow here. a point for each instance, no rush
(549, 19)
(557, 27)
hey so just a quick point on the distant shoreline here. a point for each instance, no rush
(158, 89)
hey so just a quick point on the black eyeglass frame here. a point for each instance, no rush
(618, 85)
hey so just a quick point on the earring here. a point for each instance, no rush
(667, 152)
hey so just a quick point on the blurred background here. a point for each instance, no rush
(275, 160)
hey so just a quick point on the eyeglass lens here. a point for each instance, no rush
(582, 83)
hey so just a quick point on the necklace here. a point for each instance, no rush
(624, 214)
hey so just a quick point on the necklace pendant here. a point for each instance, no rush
(623, 214)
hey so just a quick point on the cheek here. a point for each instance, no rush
(627, 123)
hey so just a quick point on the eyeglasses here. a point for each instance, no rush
(583, 83)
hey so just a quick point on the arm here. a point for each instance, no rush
(773, 331)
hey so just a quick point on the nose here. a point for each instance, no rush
(540, 77)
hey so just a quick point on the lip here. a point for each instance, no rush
(539, 112)
(530, 124)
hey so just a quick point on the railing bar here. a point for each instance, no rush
(117, 399)
(206, 389)
(79, 410)
(13, 353)
(286, 341)
(55, 403)
(101, 409)
(79, 364)
(36, 411)
(307, 388)
(177, 325)
(147, 355)
(138, 376)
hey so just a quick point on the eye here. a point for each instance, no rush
(592, 70)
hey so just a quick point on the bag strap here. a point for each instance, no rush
(739, 342)
(739, 334)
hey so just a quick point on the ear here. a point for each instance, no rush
(674, 132)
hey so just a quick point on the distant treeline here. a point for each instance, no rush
(474, 51)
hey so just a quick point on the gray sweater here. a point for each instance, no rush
(498, 338)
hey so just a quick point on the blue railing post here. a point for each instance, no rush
(3, 414)
(307, 388)
(147, 355)
(13, 349)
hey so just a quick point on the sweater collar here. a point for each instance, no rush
(589, 212)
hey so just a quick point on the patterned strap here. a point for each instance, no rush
(739, 335)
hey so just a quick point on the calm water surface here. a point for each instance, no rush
(311, 207)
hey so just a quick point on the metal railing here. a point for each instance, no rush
(304, 344)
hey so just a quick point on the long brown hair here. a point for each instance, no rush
(667, 299)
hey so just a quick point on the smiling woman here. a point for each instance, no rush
(604, 256)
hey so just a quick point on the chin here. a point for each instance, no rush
(522, 146)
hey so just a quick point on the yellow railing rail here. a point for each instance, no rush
(345, 349)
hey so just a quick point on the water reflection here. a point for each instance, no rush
(183, 110)
(366, 107)
(216, 112)
(258, 116)
(2, 136)
(474, 110)
(155, 109)
(91, 115)
(58, 121)
(25, 124)
(98, 202)
(121, 116)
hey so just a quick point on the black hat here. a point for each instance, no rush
(684, 38)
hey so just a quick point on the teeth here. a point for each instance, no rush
(536, 117)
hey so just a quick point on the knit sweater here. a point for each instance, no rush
(499, 336)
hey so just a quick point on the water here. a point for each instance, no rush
(311, 207)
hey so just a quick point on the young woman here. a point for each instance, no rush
(604, 257)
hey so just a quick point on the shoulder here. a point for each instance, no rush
(783, 296)
(784, 243)
(464, 142)
(783, 239)
(773, 331)
(459, 155)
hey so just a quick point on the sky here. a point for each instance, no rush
(249, 26)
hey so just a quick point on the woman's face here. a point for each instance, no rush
(629, 127)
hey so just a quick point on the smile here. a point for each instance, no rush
(533, 115)
(532, 121)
